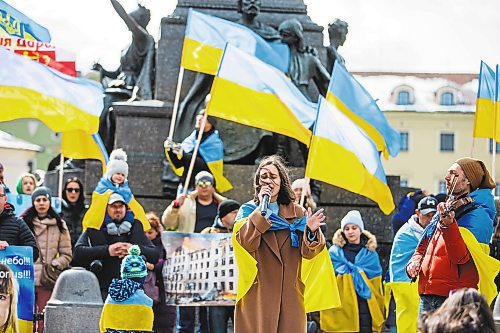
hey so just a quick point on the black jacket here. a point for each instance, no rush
(14, 231)
(93, 244)
(73, 217)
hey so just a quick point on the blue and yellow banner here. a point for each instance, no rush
(253, 93)
(486, 120)
(78, 144)
(350, 97)
(21, 202)
(341, 154)
(17, 283)
(15, 23)
(206, 37)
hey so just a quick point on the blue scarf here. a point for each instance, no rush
(121, 289)
(278, 223)
(366, 261)
(123, 190)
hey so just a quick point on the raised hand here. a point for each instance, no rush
(314, 220)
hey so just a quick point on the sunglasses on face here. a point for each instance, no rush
(75, 190)
(204, 183)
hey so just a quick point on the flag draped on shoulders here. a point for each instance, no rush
(206, 37)
(253, 93)
(486, 119)
(351, 98)
(363, 278)
(317, 274)
(341, 154)
(212, 152)
(94, 217)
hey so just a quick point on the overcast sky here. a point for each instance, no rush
(384, 35)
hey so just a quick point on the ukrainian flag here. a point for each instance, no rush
(341, 154)
(485, 118)
(350, 97)
(212, 152)
(65, 104)
(206, 37)
(253, 93)
(15, 23)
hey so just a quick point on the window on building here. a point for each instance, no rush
(223, 273)
(223, 285)
(447, 98)
(403, 98)
(404, 141)
(442, 186)
(497, 146)
(206, 276)
(447, 142)
(231, 261)
(231, 273)
(231, 286)
(403, 182)
(206, 285)
(215, 273)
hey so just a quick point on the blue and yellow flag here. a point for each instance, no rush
(341, 154)
(78, 144)
(320, 291)
(15, 23)
(212, 152)
(206, 37)
(486, 119)
(253, 93)
(350, 97)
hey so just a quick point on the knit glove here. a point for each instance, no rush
(112, 229)
(124, 227)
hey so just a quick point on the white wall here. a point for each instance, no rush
(15, 163)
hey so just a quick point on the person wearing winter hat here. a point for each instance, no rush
(26, 184)
(127, 308)
(113, 181)
(452, 253)
(224, 221)
(53, 241)
(359, 279)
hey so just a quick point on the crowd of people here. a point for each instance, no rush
(435, 282)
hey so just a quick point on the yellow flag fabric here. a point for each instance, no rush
(94, 217)
(487, 267)
(127, 317)
(407, 304)
(253, 93)
(341, 154)
(80, 145)
(486, 118)
(321, 290)
(346, 317)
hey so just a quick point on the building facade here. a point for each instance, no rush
(435, 115)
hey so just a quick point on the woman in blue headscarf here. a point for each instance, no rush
(359, 278)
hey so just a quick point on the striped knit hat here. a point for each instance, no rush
(133, 266)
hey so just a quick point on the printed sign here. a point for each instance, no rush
(21, 202)
(17, 289)
(200, 269)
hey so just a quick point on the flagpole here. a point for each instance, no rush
(176, 102)
(195, 153)
(61, 174)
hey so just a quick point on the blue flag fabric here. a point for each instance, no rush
(21, 202)
(366, 261)
(278, 223)
(15, 23)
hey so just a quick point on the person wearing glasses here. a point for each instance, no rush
(73, 207)
(193, 213)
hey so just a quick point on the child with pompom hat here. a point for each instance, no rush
(127, 308)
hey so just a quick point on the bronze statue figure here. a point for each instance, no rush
(134, 77)
(337, 31)
(304, 64)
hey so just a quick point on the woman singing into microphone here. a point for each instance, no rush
(270, 286)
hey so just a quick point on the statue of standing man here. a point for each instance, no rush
(337, 31)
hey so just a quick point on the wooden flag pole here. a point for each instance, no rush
(195, 153)
(176, 102)
(61, 175)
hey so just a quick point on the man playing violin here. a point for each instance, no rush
(443, 261)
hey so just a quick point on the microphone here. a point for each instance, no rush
(264, 204)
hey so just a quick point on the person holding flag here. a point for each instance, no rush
(453, 252)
